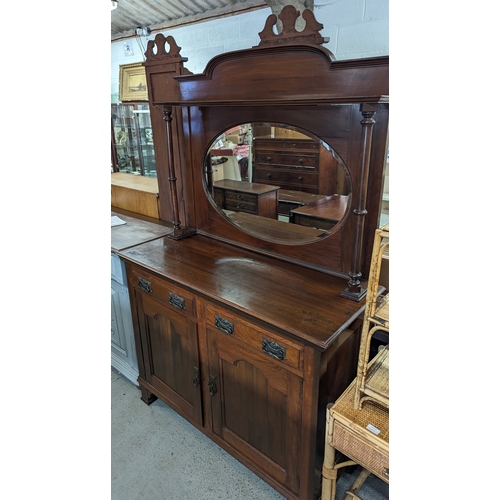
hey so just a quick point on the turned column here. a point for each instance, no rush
(354, 289)
(178, 232)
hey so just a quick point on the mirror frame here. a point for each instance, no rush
(258, 228)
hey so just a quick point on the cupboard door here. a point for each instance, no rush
(170, 346)
(256, 407)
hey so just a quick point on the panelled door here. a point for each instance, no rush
(256, 406)
(170, 346)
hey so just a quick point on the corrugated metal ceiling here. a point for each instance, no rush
(163, 14)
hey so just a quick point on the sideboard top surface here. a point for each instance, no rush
(300, 301)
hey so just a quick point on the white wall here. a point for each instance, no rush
(356, 28)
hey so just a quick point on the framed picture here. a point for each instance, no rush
(133, 83)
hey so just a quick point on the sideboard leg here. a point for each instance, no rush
(147, 396)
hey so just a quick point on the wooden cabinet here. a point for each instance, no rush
(132, 148)
(123, 354)
(135, 194)
(226, 339)
(293, 164)
(133, 232)
(288, 163)
(249, 197)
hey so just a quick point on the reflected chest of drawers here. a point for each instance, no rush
(249, 197)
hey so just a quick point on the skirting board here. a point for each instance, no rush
(125, 369)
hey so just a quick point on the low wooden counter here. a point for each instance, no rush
(138, 229)
(135, 193)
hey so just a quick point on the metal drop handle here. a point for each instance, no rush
(144, 285)
(196, 378)
(212, 386)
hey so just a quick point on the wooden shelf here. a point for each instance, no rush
(377, 377)
(381, 315)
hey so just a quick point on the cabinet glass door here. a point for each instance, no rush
(132, 139)
(145, 140)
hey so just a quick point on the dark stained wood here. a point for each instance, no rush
(288, 16)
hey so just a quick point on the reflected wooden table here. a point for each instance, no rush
(321, 214)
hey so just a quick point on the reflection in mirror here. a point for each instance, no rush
(276, 182)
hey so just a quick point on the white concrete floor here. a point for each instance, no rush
(157, 455)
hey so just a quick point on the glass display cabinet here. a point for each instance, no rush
(132, 147)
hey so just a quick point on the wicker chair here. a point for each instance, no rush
(372, 380)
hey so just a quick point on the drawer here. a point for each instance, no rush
(305, 161)
(238, 196)
(280, 349)
(279, 177)
(241, 207)
(360, 450)
(309, 221)
(241, 201)
(163, 290)
(286, 144)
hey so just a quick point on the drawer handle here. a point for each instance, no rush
(212, 386)
(224, 325)
(239, 197)
(144, 285)
(196, 378)
(385, 472)
(273, 349)
(301, 160)
(268, 176)
(301, 178)
(175, 300)
(269, 158)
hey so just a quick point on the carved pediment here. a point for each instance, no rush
(156, 50)
(289, 34)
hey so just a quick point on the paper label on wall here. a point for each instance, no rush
(373, 429)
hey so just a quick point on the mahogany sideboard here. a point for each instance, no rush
(245, 328)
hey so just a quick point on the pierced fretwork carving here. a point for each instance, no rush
(161, 53)
(289, 15)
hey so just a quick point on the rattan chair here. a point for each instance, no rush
(372, 380)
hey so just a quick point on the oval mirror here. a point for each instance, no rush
(276, 182)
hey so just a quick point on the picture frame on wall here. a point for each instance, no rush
(133, 86)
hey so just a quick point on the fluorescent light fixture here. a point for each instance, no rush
(114, 4)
